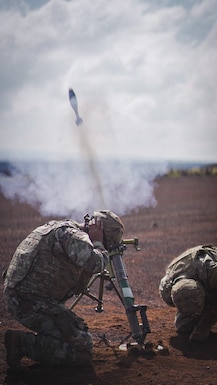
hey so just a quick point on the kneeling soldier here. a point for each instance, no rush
(55, 262)
(190, 284)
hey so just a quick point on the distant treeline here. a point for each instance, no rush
(209, 169)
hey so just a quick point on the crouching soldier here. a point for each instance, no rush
(190, 285)
(55, 262)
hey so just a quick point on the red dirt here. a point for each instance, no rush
(186, 215)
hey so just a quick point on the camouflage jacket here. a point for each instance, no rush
(55, 261)
(198, 263)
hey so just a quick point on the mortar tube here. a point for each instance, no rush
(127, 295)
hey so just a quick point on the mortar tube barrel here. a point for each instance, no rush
(128, 298)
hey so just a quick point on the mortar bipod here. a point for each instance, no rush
(117, 270)
(103, 276)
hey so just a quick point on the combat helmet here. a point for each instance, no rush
(113, 227)
(188, 296)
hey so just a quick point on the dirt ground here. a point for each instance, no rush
(185, 216)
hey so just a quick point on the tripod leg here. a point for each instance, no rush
(85, 292)
(99, 307)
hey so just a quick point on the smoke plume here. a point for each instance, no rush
(73, 188)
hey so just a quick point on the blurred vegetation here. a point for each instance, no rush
(208, 170)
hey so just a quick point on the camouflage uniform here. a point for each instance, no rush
(52, 264)
(198, 264)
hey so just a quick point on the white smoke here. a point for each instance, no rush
(71, 188)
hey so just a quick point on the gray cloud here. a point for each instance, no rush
(144, 74)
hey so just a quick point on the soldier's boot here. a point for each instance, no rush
(202, 329)
(13, 345)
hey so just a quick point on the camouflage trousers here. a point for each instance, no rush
(59, 336)
(185, 323)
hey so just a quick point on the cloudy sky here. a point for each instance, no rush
(144, 72)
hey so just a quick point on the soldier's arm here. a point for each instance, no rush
(165, 288)
(207, 271)
(213, 275)
(77, 246)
